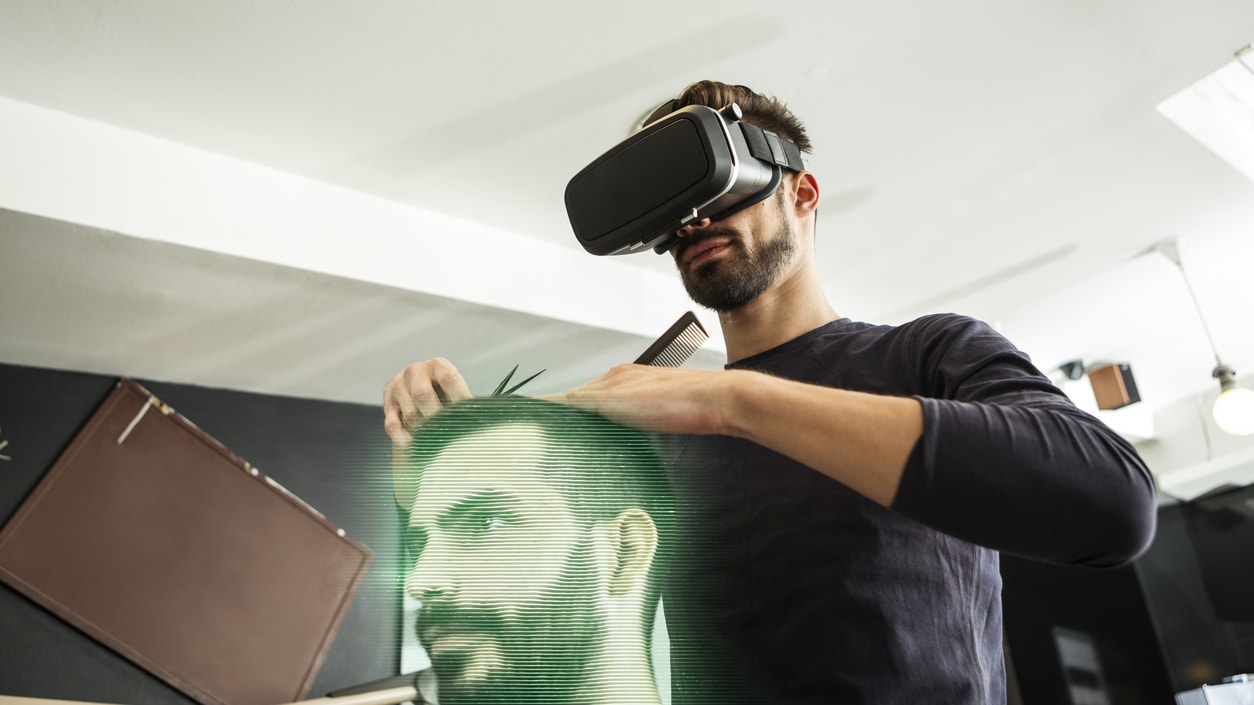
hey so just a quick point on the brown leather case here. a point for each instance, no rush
(157, 541)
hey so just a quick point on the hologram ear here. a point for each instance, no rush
(634, 537)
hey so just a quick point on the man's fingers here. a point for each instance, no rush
(398, 412)
(420, 403)
(430, 385)
(663, 399)
(417, 393)
(395, 428)
(449, 381)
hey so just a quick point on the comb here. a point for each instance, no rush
(677, 344)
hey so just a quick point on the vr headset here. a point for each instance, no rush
(693, 163)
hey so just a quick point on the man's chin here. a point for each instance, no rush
(712, 286)
(466, 667)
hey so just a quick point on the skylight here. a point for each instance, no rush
(1218, 111)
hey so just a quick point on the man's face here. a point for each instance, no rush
(730, 262)
(503, 572)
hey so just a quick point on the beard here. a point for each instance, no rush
(730, 282)
(545, 651)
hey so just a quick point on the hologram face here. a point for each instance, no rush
(504, 572)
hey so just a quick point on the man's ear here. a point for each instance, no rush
(633, 539)
(805, 193)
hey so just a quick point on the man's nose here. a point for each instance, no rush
(431, 577)
(693, 227)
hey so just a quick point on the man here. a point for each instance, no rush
(534, 531)
(850, 484)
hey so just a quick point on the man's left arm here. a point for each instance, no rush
(1019, 471)
(1047, 482)
(1007, 460)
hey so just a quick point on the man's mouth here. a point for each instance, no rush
(438, 624)
(437, 640)
(704, 250)
(449, 629)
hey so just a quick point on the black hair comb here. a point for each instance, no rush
(677, 344)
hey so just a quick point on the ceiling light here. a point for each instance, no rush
(1234, 409)
(1218, 111)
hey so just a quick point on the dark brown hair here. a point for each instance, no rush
(763, 111)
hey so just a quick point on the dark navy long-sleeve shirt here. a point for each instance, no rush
(789, 588)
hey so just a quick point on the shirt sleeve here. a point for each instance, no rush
(1008, 462)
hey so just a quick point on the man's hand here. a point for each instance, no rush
(416, 393)
(859, 439)
(663, 399)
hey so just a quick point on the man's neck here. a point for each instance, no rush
(787, 309)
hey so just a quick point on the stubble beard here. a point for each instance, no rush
(548, 651)
(732, 281)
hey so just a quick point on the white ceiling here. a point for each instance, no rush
(997, 157)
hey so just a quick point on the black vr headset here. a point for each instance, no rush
(693, 163)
